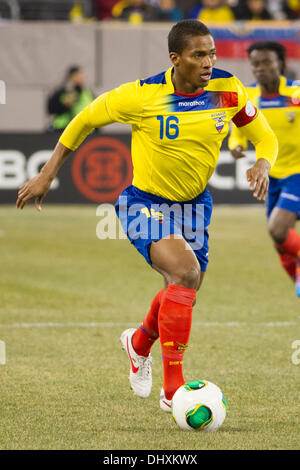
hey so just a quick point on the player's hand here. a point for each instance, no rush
(258, 176)
(36, 188)
(238, 152)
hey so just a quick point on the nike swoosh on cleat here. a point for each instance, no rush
(134, 369)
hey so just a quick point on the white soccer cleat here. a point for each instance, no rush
(140, 375)
(164, 403)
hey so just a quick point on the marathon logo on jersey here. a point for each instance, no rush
(179, 103)
(191, 103)
(279, 102)
(203, 101)
(219, 118)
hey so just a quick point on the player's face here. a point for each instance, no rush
(266, 66)
(194, 65)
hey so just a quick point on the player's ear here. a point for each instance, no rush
(174, 57)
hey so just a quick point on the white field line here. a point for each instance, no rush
(128, 325)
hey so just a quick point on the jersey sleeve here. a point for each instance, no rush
(250, 124)
(237, 138)
(93, 115)
(262, 137)
(124, 104)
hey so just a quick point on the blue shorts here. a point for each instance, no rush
(146, 218)
(285, 194)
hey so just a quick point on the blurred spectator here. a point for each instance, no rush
(168, 10)
(292, 9)
(103, 9)
(10, 9)
(254, 10)
(81, 10)
(186, 6)
(212, 11)
(76, 13)
(69, 99)
(50, 10)
(276, 9)
(136, 11)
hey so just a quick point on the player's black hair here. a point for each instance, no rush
(71, 70)
(270, 46)
(182, 31)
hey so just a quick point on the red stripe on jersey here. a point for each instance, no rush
(245, 115)
(274, 95)
(227, 99)
(189, 95)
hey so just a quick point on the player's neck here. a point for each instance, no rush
(270, 88)
(182, 86)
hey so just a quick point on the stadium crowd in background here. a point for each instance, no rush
(205, 10)
(224, 11)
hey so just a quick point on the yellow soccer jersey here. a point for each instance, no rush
(282, 112)
(176, 138)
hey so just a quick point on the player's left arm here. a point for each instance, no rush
(254, 127)
(237, 143)
(265, 142)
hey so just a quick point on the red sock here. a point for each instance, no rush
(147, 333)
(289, 252)
(174, 321)
(288, 262)
(291, 245)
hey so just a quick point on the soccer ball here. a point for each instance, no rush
(199, 405)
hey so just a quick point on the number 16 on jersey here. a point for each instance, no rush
(168, 127)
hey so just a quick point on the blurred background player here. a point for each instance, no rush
(277, 97)
(179, 119)
(69, 99)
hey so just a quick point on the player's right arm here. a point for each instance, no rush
(37, 187)
(122, 104)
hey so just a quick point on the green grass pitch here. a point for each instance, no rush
(66, 297)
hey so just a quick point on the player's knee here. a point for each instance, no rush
(189, 277)
(278, 232)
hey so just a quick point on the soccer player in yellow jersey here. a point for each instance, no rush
(179, 119)
(278, 98)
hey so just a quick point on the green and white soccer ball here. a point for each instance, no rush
(199, 405)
